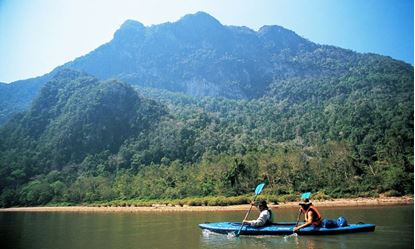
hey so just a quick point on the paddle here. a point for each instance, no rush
(298, 217)
(258, 190)
(303, 196)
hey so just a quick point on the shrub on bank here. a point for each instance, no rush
(392, 193)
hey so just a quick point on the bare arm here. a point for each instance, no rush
(308, 222)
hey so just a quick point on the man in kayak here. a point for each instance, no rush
(266, 216)
(311, 214)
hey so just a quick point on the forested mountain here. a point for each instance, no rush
(195, 108)
(85, 140)
(199, 56)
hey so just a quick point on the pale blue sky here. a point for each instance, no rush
(38, 35)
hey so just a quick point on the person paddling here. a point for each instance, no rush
(266, 217)
(311, 214)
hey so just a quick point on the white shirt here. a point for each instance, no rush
(262, 219)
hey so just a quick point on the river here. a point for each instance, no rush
(179, 230)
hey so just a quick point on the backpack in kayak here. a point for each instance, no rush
(326, 223)
(341, 221)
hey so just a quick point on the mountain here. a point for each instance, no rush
(195, 55)
(199, 56)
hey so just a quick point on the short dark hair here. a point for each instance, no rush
(262, 203)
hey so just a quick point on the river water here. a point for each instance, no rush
(179, 230)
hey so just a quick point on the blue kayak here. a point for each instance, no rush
(284, 228)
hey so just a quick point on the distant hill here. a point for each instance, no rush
(75, 115)
(17, 96)
(199, 56)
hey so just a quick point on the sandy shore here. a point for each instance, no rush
(355, 202)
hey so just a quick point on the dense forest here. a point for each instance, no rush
(197, 109)
(85, 140)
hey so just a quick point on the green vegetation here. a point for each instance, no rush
(88, 141)
(283, 110)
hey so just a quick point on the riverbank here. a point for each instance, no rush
(350, 202)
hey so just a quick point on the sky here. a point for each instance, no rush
(38, 35)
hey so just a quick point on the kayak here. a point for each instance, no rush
(284, 228)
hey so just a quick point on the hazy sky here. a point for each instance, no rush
(38, 35)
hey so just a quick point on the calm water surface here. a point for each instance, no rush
(394, 229)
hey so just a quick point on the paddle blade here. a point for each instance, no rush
(259, 188)
(306, 195)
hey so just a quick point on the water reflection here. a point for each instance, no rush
(210, 239)
(214, 240)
